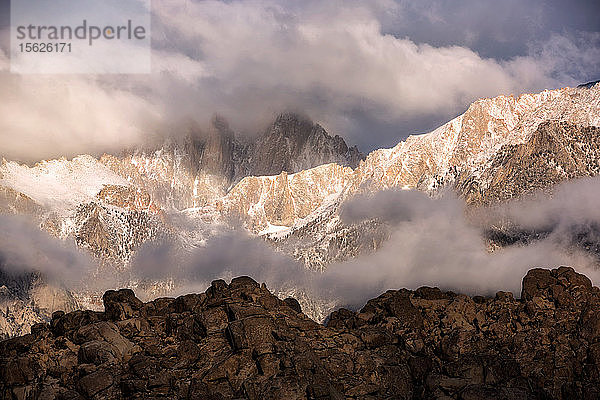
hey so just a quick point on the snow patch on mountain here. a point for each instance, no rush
(60, 185)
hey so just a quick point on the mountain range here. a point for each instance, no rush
(286, 187)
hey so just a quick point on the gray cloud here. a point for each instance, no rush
(433, 242)
(497, 29)
(362, 69)
(24, 248)
(569, 213)
(224, 255)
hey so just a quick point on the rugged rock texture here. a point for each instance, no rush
(172, 175)
(25, 299)
(500, 148)
(239, 341)
(283, 199)
(13, 202)
(556, 152)
(322, 237)
(466, 144)
(294, 143)
(199, 170)
(588, 84)
(128, 198)
(113, 233)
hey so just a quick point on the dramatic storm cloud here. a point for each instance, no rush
(370, 71)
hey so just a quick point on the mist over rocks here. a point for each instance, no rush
(237, 340)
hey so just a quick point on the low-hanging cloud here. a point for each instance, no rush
(433, 242)
(225, 255)
(340, 64)
(569, 215)
(24, 248)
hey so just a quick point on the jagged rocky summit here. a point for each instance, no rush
(295, 172)
(203, 166)
(239, 341)
(111, 205)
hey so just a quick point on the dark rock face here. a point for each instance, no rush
(293, 143)
(213, 150)
(588, 84)
(240, 341)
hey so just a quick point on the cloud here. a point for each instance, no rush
(24, 248)
(352, 67)
(434, 243)
(569, 215)
(569, 57)
(43, 116)
(224, 255)
(496, 29)
(331, 62)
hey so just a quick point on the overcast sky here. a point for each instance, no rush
(371, 71)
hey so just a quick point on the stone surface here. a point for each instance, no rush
(555, 152)
(239, 341)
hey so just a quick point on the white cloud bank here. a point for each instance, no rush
(248, 60)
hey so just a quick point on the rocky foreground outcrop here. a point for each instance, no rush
(237, 340)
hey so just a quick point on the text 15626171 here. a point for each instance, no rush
(45, 47)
